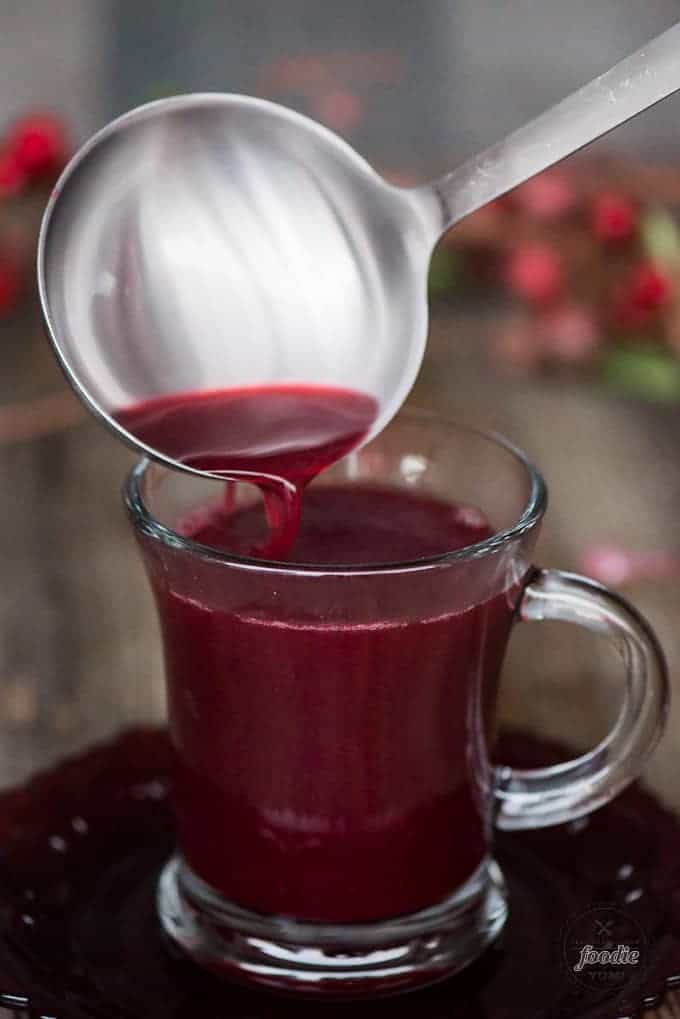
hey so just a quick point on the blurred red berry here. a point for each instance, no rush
(628, 316)
(569, 333)
(613, 218)
(546, 197)
(12, 177)
(534, 272)
(650, 287)
(38, 144)
(645, 294)
(613, 564)
(609, 564)
(10, 285)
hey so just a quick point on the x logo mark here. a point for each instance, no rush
(603, 928)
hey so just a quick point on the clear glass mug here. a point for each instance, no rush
(334, 796)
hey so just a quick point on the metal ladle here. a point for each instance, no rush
(212, 241)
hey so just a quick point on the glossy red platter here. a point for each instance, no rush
(82, 846)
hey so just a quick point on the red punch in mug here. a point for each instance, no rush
(332, 715)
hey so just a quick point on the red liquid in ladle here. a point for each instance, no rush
(290, 432)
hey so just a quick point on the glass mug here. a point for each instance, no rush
(334, 797)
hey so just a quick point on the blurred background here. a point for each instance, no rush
(436, 81)
(555, 319)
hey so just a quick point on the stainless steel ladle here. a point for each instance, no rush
(212, 241)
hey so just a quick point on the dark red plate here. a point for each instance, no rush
(83, 844)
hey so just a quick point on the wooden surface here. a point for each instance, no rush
(79, 647)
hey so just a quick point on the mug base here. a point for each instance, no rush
(331, 960)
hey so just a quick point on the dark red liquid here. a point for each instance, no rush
(293, 431)
(289, 431)
(328, 769)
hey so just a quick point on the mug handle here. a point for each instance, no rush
(538, 797)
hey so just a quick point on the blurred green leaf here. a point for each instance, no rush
(444, 270)
(650, 372)
(660, 236)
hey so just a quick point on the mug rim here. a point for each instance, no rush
(144, 520)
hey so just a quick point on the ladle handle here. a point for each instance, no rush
(631, 86)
